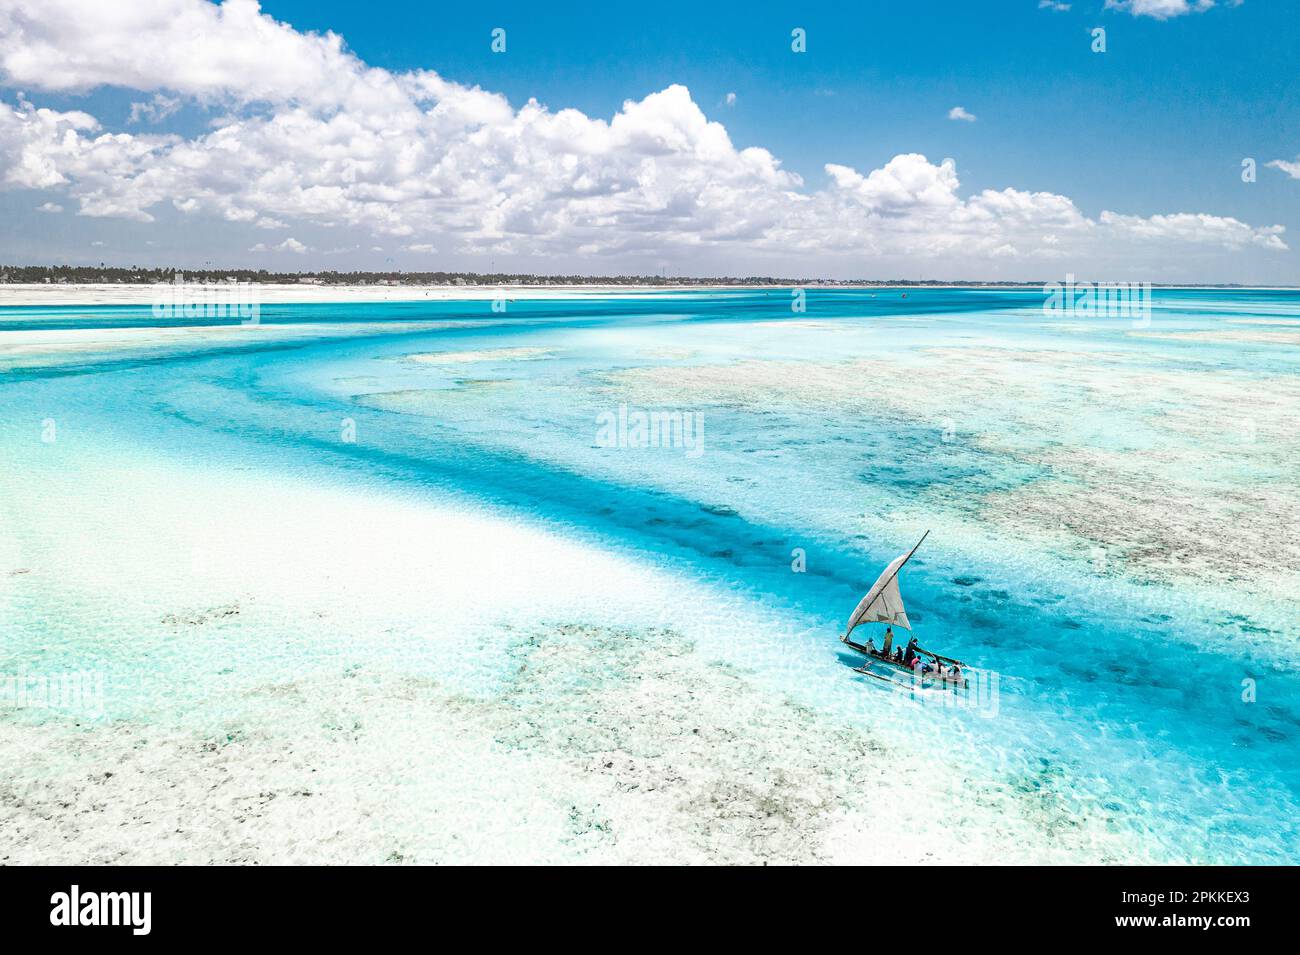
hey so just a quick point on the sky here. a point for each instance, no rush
(932, 139)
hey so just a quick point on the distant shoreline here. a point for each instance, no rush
(277, 293)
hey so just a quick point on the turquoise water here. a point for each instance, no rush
(1085, 481)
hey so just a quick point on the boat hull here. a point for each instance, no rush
(896, 669)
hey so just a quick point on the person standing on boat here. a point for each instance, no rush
(889, 642)
(911, 652)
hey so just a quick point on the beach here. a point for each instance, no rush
(363, 582)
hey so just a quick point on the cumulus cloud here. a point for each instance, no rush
(1162, 9)
(908, 183)
(156, 110)
(1292, 169)
(959, 112)
(309, 134)
(1199, 228)
(230, 52)
(288, 245)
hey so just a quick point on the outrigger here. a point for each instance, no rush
(884, 604)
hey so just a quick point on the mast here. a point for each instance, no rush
(905, 560)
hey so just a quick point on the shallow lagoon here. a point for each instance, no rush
(1112, 510)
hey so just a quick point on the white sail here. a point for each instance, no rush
(883, 603)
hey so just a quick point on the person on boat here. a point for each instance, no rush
(871, 646)
(955, 673)
(889, 642)
(898, 654)
(910, 655)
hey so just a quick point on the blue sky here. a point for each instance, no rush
(1196, 93)
(1156, 126)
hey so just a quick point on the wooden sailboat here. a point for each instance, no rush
(884, 604)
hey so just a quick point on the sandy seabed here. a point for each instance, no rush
(584, 733)
(306, 671)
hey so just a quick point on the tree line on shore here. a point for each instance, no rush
(115, 275)
(135, 275)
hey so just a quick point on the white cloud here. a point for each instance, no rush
(312, 136)
(906, 183)
(1195, 228)
(49, 207)
(422, 247)
(731, 99)
(1292, 169)
(218, 53)
(156, 110)
(288, 245)
(1161, 9)
(959, 112)
(1054, 5)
